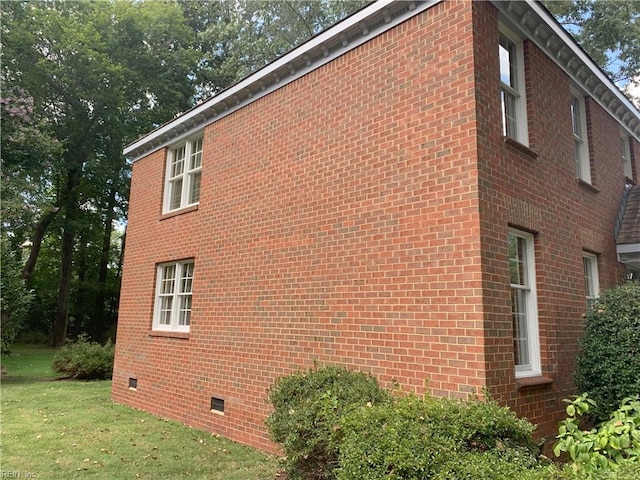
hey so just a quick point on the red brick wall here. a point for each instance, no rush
(541, 195)
(338, 222)
(358, 216)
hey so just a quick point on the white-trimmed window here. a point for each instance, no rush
(626, 156)
(184, 171)
(591, 283)
(174, 292)
(514, 111)
(581, 146)
(524, 310)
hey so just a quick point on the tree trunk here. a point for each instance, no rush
(99, 311)
(115, 300)
(36, 242)
(59, 333)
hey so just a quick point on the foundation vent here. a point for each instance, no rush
(217, 405)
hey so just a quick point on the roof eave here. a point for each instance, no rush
(321, 49)
(534, 21)
(530, 18)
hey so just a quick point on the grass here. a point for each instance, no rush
(54, 429)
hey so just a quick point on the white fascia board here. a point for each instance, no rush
(255, 80)
(628, 248)
(521, 14)
(580, 53)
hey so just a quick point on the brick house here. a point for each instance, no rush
(427, 191)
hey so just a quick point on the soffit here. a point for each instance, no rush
(529, 18)
(321, 49)
(533, 21)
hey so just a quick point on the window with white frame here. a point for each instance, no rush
(591, 283)
(184, 171)
(174, 291)
(524, 311)
(514, 115)
(579, 124)
(626, 156)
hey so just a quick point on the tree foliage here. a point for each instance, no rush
(101, 73)
(82, 79)
(15, 299)
(608, 30)
(238, 37)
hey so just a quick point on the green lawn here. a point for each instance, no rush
(54, 429)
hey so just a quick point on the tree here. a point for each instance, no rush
(240, 36)
(608, 30)
(14, 297)
(27, 155)
(103, 73)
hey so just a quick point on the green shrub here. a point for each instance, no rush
(84, 360)
(608, 365)
(439, 439)
(15, 298)
(609, 449)
(307, 409)
(494, 465)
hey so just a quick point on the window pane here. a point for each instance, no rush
(576, 117)
(588, 280)
(194, 197)
(580, 167)
(626, 157)
(166, 305)
(177, 165)
(508, 62)
(186, 280)
(509, 119)
(196, 155)
(520, 331)
(185, 310)
(517, 260)
(176, 193)
(168, 279)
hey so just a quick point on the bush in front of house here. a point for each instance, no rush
(439, 439)
(609, 450)
(85, 360)
(308, 407)
(608, 365)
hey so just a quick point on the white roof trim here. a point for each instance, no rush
(530, 18)
(628, 248)
(321, 49)
(533, 21)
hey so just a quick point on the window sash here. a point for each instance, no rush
(591, 281)
(526, 344)
(514, 115)
(626, 156)
(174, 296)
(578, 123)
(184, 173)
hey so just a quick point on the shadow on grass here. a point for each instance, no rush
(28, 364)
(8, 379)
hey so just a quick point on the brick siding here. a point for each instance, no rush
(359, 216)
